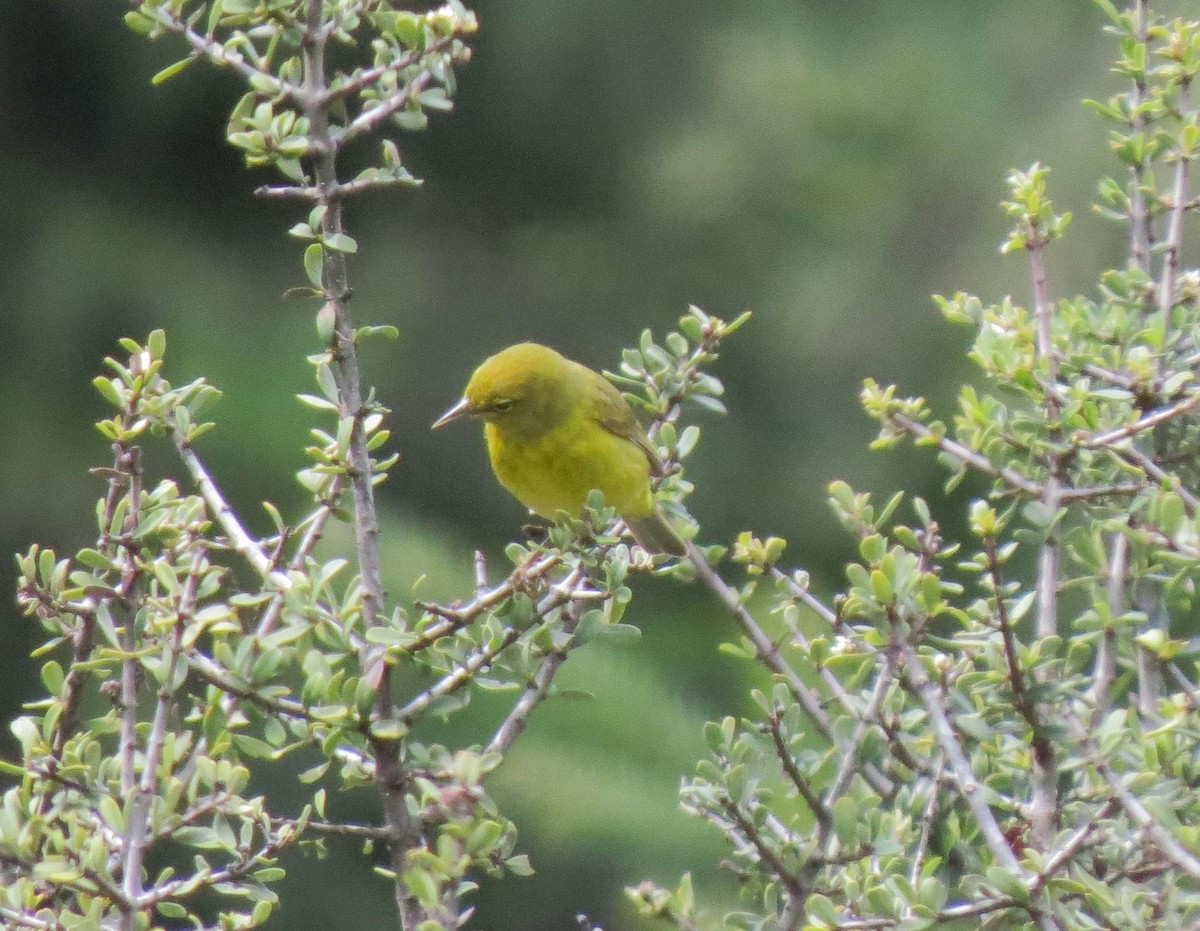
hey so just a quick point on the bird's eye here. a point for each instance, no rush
(501, 405)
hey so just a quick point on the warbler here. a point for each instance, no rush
(555, 430)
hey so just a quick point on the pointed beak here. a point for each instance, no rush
(462, 409)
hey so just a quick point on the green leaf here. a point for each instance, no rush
(94, 559)
(252, 746)
(110, 390)
(53, 677)
(823, 909)
(423, 886)
(320, 404)
(1007, 883)
(619, 634)
(312, 775)
(139, 22)
(156, 343)
(519, 865)
(214, 17)
(170, 71)
(388, 729)
(340, 242)
(313, 259)
(846, 817)
(589, 626)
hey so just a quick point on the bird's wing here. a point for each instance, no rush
(612, 412)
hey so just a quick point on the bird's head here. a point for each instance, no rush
(523, 388)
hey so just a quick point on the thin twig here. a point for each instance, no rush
(202, 880)
(239, 539)
(1104, 669)
(538, 687)
(801, 783)
(1065, 854)
(768, 653)
(847, 701)
(967, 456)
(1162, 837)
(372, 116)
(1146, 422)
(125, 462)
(1178, 854)
(216, 52)
(312, 535)
(136, 835)
(339, 191)
(1009, 476)
(25, 920)
(481, 659)
(927, 821)
(1141, 237)
(1050, 493)
(214, 675)
(1188, 686)
(968, 786)
(365, 832)
(129, 666)
(1139, 459)
(1173, 242)
(849, 750)
(1043, 807)
(531, 570)
(765, 854)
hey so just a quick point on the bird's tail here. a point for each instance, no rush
(655, 535)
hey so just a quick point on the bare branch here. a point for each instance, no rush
(343, 189)
(364, 832)
(26, 920)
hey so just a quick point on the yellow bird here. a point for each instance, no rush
(555, 430)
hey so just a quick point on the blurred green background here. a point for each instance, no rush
(827, 165)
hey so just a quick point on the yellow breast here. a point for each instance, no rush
(555, 471)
